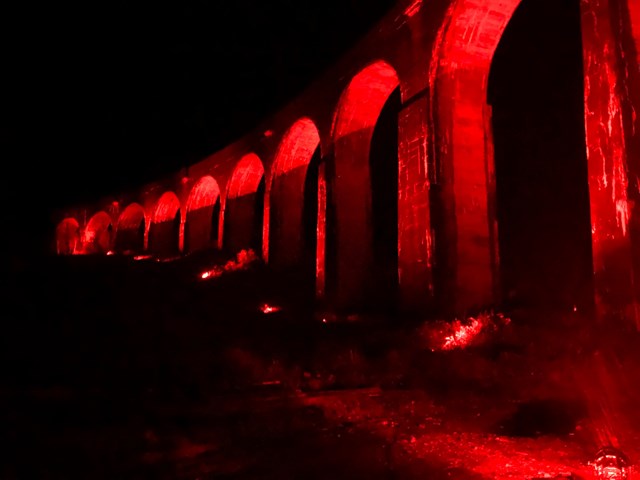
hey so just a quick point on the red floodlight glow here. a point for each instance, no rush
(266, 308)
(611, 464)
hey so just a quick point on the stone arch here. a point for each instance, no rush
(463, 151)
(203, 215)
(98, 234)
(284, 238)
(67, 236)
(131, 231)
(165, 230)
(535, 92)
(244, 204)
(350, 250)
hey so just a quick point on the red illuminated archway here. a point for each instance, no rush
(354, 122)
(535, 92)
(203, 211)
(98, 234)
(464, 150)
(243, 209)
(131, 230)
(67, 236)
(165, 231)
(463, 154)
(283, 239)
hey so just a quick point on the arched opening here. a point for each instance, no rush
(215, 223)
(384, 200)
(244, 206)
(98, 234)
(364, 167)
(67, 236)
(312, 263)
(535, 90)
(203, 211)
(164, 234)
(131, 229)
(293, 202)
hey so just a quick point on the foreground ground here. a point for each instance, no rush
(117, 369)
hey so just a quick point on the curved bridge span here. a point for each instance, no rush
(463, 154)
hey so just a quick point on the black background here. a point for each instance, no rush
(104, 96)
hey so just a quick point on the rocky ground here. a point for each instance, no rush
(116, 369)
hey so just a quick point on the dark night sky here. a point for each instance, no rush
(104, 96)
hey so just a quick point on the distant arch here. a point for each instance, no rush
(131, 229)
(67, 236)
(98, 233)
(203, 215)
(284, 239)
(244, 203)
(351, 247)
(165, 230)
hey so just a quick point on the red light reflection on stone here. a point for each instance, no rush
(353, 124)
(285, 192)
(266, 308)
(131, 217)
(244, 259)
(321, 228)
(607, 160)
(460, 334)
(97, 236)
(297, 147)
(464, 157)
(246, 176)
(413, 8)
(67, 236)
(166, 208)
(203, 194)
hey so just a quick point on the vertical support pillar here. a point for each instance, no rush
(321, 233)
(147, 229)
(266, 219)
(286, 210)
(351, 198)
(221, 223)
(628, 26)
(415, 245)
(183, 222)
(465, 166)
(608, 163)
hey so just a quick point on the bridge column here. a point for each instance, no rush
(630, 25)
(181, 229)
(415, 243)
(467, 238)
(351, 255)
(321, 234)
(607, 151)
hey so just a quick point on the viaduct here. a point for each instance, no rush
(464, 153)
